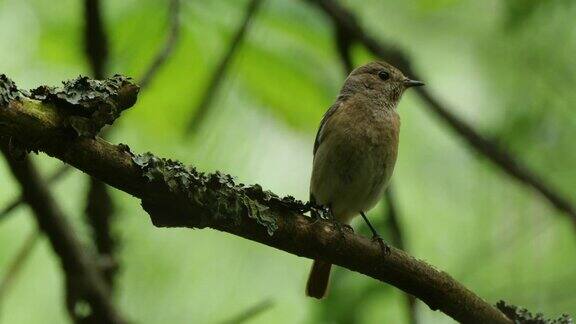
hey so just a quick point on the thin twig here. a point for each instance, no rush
(16, 265)
(95, 38)
(164, 53)
(99, 214)
(57, 175)
(397, 239)
(392, 219)
(344, 42)
(202, 109)
(496, 154)
(250, 313)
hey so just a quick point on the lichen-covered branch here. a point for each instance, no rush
(178, 196)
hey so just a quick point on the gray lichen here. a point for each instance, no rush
(522, 316)
(89, 104)
(217, 192)
(8, 90)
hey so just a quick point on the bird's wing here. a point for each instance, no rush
(321, 131)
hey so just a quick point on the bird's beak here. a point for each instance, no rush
(412, 83)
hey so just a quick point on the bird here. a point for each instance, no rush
(355, 151)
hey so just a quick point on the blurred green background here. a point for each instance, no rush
(506, 67)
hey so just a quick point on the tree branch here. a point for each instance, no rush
(57, 175)
(397, 239)
(96, 39)
(201, 111)
(344, 42)
(345, 20)
(176, 196)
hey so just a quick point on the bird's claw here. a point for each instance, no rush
(385, 247)
(348, 228)
(319, 212)
(342, 227)
(327, 214)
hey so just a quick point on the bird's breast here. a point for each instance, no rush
(355, 163)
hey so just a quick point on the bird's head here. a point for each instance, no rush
(379, 79)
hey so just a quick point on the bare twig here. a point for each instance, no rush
(201, 111)
(99, 214)
(250, 313)
(18, 262)
(344, 42)
(500, 157)
(96, 39)
(76, 264)
(392, 219)
(167, 49)
(57, 175)
(176, 196)
(398, 241)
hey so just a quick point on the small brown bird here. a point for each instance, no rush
(355, 150)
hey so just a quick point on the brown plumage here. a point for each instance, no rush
(355, 150)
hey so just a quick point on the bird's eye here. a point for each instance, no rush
(384, 75)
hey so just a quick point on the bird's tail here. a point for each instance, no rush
(318, 279)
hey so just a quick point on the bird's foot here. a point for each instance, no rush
(326, 213)
(342, 227)
(316, 212)
(347, 228)
(383, 245)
